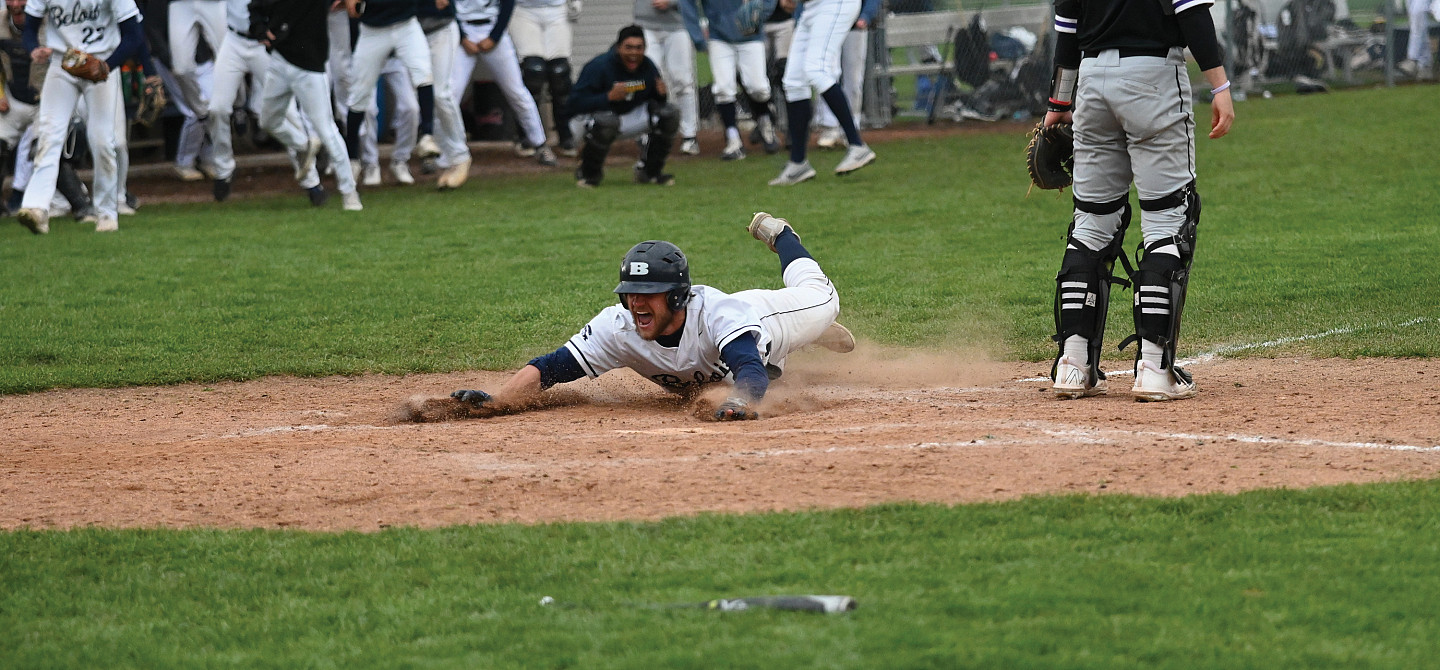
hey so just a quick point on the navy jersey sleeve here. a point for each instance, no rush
(742, 356)
(557, 367)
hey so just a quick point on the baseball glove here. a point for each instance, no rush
(735, 409)
(85, 66)
(152, 102)
(1050, 157)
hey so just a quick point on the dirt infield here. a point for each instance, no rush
(871, 427)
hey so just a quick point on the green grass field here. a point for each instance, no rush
(1320, 217)
(1329, 578)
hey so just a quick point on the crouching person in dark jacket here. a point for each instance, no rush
(620, 95)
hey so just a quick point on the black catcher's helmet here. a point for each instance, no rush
(656, 266)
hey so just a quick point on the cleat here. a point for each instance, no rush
(1073, 381)
(188, 173)
(372, 175)
(582, 181)
(568, 149)
(837, 338)
(690, 146)
(856, 157)
(794, 173)
(318, 196)
(429, 166)
(37, 220)
(767, 136)
(305, 160)
(734, 150)
(831, 138)
(1152, 384)
(766, 228)
(350, 201)
(524, 151)
(401, 171)
(545, 156)
(221, 190)
(88, 215)
(643, 177)
(426, 147)
(107, 224)
(455, 175)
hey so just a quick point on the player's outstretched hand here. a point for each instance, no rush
(476, 399)
(735, 409)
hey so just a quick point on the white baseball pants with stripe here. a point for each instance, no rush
(285, 83)
(504, 65)
(61, 93)
(814, 60)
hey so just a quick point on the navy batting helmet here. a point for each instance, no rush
(656, 266)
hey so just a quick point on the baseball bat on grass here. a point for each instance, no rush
(817, 604)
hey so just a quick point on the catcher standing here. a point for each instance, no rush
(1120, 76)
(89, 39)
(685, 337)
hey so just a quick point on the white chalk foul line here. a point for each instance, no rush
(1061, 432)
(1095, 435)
(1217, 352)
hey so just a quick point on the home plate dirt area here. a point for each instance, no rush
(340, 454)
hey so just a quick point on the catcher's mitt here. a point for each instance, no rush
(85, 66)
(1050, 157)
(152, 102)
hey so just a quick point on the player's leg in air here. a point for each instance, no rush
(804, 312)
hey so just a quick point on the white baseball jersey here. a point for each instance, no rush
(713, 319)
(477, 10)
(92, 26)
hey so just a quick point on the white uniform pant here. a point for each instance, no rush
(404, 109)
(448, 124)
(633, 123)
(1419, 47)
(62, 92)
(191, 144)
(814, 60)
(504, 65)
(747, 58)
(239, 56)
(338, 26)
(24, 158)
(14, 122)
(406, 40)
(674, 54)
(189, 19)
(852, 78)
(283, 83)
(541, 31)
(798, 314)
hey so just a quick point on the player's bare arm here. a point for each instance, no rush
(352, 7)
(1222, 107)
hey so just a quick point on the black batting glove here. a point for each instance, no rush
(476, 399)
(735, 409)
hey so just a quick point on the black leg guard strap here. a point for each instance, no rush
(1082, 291)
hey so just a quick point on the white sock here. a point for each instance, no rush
(1152, 352)
(1077, 349)
(732, 134)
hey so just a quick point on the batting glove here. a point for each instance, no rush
(735, 409)
(476, 399)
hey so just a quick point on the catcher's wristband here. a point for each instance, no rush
(1062, 89)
